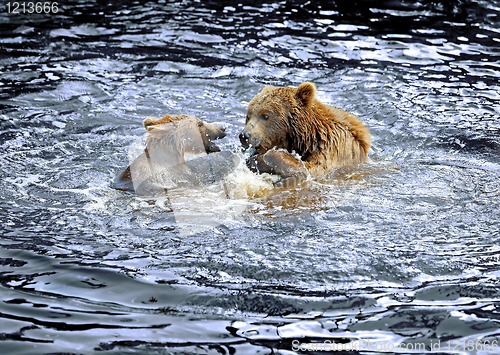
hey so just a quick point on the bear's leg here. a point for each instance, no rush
(279, 162)
(124, 182)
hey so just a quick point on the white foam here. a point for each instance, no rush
(242, 183)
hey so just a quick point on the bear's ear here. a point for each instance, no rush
(266, 89)
(305, 93)
(149, 122)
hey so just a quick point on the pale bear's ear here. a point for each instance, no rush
(149, 122)
(305, 93)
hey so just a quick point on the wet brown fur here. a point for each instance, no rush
(324, 136)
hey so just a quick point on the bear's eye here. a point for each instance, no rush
(264, 117)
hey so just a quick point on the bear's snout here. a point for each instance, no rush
(213, 131)
(223, 132)
(245, 139)
(220, 133)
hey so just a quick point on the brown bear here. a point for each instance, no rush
(283, 120)
(162, 165)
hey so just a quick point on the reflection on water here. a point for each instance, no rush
(403, 250)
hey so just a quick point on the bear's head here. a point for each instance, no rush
(188, 133)
(275, 117)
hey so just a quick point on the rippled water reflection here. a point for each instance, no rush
(403, 250)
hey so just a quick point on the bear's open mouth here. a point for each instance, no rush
(211, 147)
(220, 135)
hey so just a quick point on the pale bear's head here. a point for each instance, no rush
(187, 133)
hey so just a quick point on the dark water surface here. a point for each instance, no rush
(403, 251)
